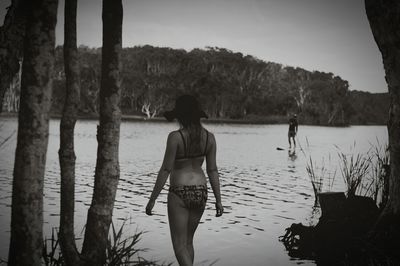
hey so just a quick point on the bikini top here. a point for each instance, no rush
(190, 156)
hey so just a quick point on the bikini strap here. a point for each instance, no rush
(205, 148)
(184, 143)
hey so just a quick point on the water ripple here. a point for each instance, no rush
(263, 190)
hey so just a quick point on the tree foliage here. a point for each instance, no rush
(229, 84)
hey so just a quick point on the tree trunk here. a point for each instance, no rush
(66, 152)
(11, 44)
(384, 19)
(107, 165)
(33, 124)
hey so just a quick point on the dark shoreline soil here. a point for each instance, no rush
(346, 234)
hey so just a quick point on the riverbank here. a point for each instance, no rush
(265, 120)
(257, 120)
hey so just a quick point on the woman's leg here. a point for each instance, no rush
(178, 216)
(194, 220)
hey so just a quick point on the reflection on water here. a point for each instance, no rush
(264, 190)
(292, 154)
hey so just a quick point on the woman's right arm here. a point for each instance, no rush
(213, 175)
(165, 170)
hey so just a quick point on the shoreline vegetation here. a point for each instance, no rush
(265, 120)
(121, 249)
(347, 232)
(232, 87)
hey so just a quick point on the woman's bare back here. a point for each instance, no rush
(188, 167)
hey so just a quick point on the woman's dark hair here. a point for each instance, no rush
(188, 112)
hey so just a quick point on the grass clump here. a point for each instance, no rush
(354, 168)
(119, 251)
(367, 174)
(123, 251)
(364, 174)
(318, 175)
(51, 253)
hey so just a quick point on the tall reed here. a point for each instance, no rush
(354, 168)
(4, 140)
(379, 175)
(316, 179)
(52, 257)
(318, 175)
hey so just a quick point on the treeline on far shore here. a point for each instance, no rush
(232, 87)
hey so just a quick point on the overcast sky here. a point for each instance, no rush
(325, 35)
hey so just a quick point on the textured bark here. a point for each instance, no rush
(33, 122)
(11, 44)
(66, 152)
(107, 165)
(384, 19)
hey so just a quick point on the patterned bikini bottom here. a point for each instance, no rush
(193, 196)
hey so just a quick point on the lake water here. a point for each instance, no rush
(264, 190)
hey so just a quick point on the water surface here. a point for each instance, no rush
(264, 190)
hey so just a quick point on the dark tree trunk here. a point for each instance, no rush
(67, 125)
(384, 19)
(11, 44)
(33, 124)
(107, 165)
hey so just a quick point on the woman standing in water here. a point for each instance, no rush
(183, 159)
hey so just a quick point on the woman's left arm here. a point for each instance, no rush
(165, 170)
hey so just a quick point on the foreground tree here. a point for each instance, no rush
(384, 19)
(66, 152)
(107, 165)
(11, 44)
(33, 124)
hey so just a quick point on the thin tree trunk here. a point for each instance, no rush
(66, 152)
(384, 19)
(11, 44)
(33, 124)
(107, 165)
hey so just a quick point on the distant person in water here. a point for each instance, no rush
(185, 153)
(293, 126)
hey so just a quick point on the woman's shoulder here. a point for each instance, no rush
(208, 131)
(210, 135)
(174, 134)
(174, 138)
